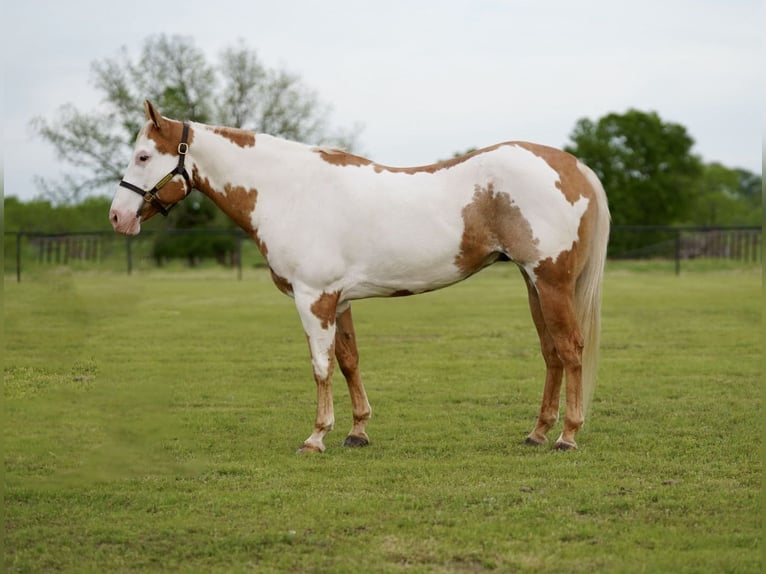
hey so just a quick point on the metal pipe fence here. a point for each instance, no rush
(106, 250)
(231, 248)
(685, 243)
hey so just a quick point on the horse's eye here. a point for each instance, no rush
(143, 158)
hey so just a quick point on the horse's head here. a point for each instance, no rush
(156, 178)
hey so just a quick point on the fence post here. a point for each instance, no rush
(678, 251)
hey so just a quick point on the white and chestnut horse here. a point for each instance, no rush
(335, 227)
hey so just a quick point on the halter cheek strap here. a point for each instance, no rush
(150, 196)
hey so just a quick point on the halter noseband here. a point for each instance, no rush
(150, 196)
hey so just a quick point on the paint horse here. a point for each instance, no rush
(335, 227)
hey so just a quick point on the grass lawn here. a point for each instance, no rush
(151, 423)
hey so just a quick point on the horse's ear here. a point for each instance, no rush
(153, 115)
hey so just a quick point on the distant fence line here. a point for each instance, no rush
(678, 243)
(108, 249)
(105, 248)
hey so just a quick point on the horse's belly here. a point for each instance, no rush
(406, 275)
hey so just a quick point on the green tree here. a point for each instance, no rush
(645, 164)
(202, 218)
(41, 215)
(750, 191)
(176, 75)
(273, 101)
(726, 196)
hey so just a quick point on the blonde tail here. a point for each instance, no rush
(588, 290)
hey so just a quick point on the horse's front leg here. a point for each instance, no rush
(317, 313)
(348, 359)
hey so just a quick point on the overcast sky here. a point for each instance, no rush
(424, 78)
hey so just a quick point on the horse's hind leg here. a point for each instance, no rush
(348, 359)
(557, 306)
(549, 409)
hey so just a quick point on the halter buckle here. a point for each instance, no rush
(183, 147)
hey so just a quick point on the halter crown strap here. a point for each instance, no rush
(150, 196)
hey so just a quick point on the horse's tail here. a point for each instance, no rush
(588, 289)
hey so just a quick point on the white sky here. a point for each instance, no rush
(424, 78)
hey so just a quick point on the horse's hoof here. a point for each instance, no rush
(356, 441)
(309, 449)
(533, 441)
(561, 445)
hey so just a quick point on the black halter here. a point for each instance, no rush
(150, 196)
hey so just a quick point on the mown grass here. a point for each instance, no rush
(151, 424)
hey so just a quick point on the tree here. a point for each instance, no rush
(198, 215)
(42, 216)
(645, 164)
(272, 101)
(750, 191)
(727, 196)
(176, 75)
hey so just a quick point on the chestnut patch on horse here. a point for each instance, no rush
(572, 182)
(236, 202)
(558, 272)
(172, 192)
(492, 225)
(341, 158)
(402, 293)
(324, 308)
(167, 139)
(242, 138)
(282, 284)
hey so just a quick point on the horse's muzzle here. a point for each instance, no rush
(125, 222)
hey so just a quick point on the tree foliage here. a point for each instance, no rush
(645, 164)
(41, 215)
(271, 101)
(726, 196)
(177, 76)
(652, 177)
(199, 214)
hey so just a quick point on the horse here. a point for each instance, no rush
(334, 227)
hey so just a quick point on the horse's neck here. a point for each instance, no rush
(233, 167)
(240, 158)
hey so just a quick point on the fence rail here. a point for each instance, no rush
(679, 243)
(107, 250)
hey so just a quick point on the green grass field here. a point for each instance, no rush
(152, 420)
